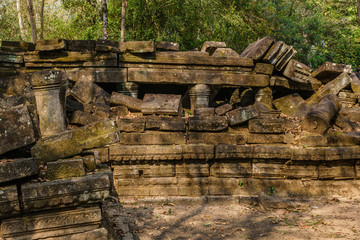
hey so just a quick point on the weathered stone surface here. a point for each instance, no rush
(208, 124)
(9, 201)
(102, 111)
(289, 53)
(307, 154)
(225, 53)
(107, 46)
(258, 49)
(145, 152)
(13, 60)
(70, 143)
(267, 125)
(242, 114)
(328, 71)
(83, 118)
(264, 95)
(189, 169)
(51, 45)
(137, 46)
(81, 45)
(351, 113)
(337, 170)
(86, 92)
(266, 138)
(231, 169)
(55, 225)
(106, 75)
(100, 154)
(348, 98)
(271, 152)
(264, 68)
(342, 153)
(130, 102)
(204, 112)
(167, 46)
(16, 129)
(161, 104)
(279, 81)
(130, 124)
(193, 186)
(292, 105)
(65, 169)
(199, 96)
(16, 46)
(12, 169)
(217, 138)
(339, 139)
(144, 170)
(89, 162)
(276, 52)
(152, 138)
(96, 234)
(211, 46)
(311, 140)
(166, 124)
(119, 111)
(355, 83)
(72, 105)
(223, 109)
(69, 192)
(184, 76)
(346, 124)
(297, 71)
(332, 87)
(198, 151)
(233, 151)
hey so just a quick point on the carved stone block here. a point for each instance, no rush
(145, 152)
(328, 71)
(165, 124)
(9, 201)
(190, 169)
(144, 170)
(161, 104)
(65, 169)
(217, 138)
(276, 125)
(208, 124)
(227, 169)
(151, 138)
(12, 169)
(167, 46)
(198, 151)
(86, 92)
(258, 49)
(130, 102)
(241, 115)
(130, 125)
(292, 105)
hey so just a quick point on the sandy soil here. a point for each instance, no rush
(321, 219)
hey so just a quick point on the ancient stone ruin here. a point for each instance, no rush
(86, 124)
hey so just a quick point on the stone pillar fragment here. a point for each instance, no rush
(199, 96)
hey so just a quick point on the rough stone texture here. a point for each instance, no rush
(279, 81)
(311, 140)
(106, 75)
(81, 45)
(332, 87)
(279, 55)
(337, 170)
(145, 152)
(9, 201)
(208, 124)
(119, 111)
(267, 125)
(211, 46)
(292, 105)
(223, 109)
(241, 115)
(90, 162)
(166, 124)
(161, 104)
(152, 138)
(16, 129)
(144, 171)
(266, 138)
(328, 71)
(355, 83)
(70, 143)
(130, 102)
(346, 124)
(107, 46)
(231, 169)
(51, 45)
(233, 151)
(217, 138)
(225, 52)
(65, 169)
(54, 225)
(137, 46)
(69, 192)
(12, 169)
(351, 113)
(265, 96)
(190, 169)
(100, 154)
(339, 139)
(258, 49)
(96, 234)
(86, 92)
(16, 46)
(204, 112)
(307, 153)
(130, 124)
(264, 68)
(167, 46)
(297, 71)
(83, 118)
(198, 151)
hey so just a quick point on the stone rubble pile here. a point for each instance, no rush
(77, 116)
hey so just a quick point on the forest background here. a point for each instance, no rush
(320, 30)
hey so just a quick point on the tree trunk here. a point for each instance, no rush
(358, 10)
(42, 20)
(30, 8)
(18, 8)
(123, 13)
(105, 19)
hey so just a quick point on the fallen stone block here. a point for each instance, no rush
(83, 118)
(348, 98)
(151, 138)
(242, 115)
(319, 118)
(267, 126)
(72, 105)
(198, 151)
(81, 45)
(292, 105)
(54, 225)
(12, 101)
(161, 104)
(297, 71)
(86, 92)
(71, 143)
(279, 55)
(282, 82)
(355, 83)
(9, 201)
(208, 124)
(64, 193)
(16, 46)
(51, 45)
(339, 139)
(145, 152)
(225, 53)
(137, 46)
(102, 111)
(166, 124)
(119, 111)
(264, 68)
(352, 114)
(63, 169)
(107, 46)
(167, 46)
(346, 124)
(329, 71)
(89, 161)
(13, 169)
(243, 99)
(258, 49)
(211, 46)
(332, 87)
(130, 124)
(130, 102)
(265, 96)
(16, 129)
(223, 109)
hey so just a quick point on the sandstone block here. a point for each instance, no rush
(161, 104)
(9, 201)
(51, 45)
(86, 92)
(307, 153)
(225, 53)
(119, 111)
(152, 138)
(342, 153)
(279, 55)
(226, 186)
(217, 138)
(157, 170)
(165, 124)
(339, 139)
(355, 83)
(297, 71)
(328, 71)
(16, 46)
(223, 109)
(292, 105)
(351, 113)
(346, 124)
(337, 170)
(271, 152)
(233, 151)
(276, 125)
(258, 49)
(198, 151)
(107, 46)
(211, 46)
(241, 115)
(81, 45)
(282, 82)
(264, 68)
(137, 46)
(204, 112)
(310, 140)
(208, 124)
(167, 46)
(90, 162)
(83, 118)
(12, 169)
(65, 169)
(193, 186)
(130, 102)
(107, 75)
(145, 152)
(231, 169)
(69, 192)
(266, 138)
(16, 129)
(130, 125)
(189, 169)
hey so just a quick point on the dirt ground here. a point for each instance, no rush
(321, 219)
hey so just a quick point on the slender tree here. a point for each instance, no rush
(42, 20)
(123, 13)
(18, 9)
(105, 19)
(30, 8)
(358, 10)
